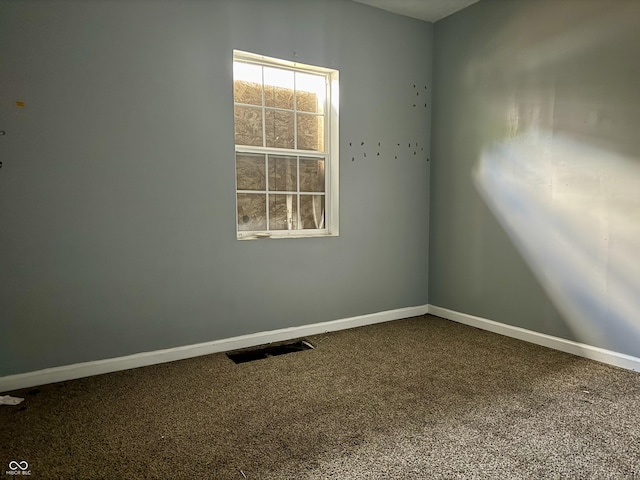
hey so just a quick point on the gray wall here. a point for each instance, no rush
(117, 209)
(502, 68)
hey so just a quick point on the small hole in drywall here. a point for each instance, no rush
(267, 351)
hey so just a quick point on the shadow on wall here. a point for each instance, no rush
(567, 67)
(563, 172)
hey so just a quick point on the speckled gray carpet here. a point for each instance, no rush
(419, 398)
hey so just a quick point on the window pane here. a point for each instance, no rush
(247, 92)
(310, 132)
(279, 129)
(282, 174)
(252, 211)
(250, 172)
(248, 125)
(311, 174)
(247, 83)
(310, 92)
(278, 88)
(312, 211)
(283, 212)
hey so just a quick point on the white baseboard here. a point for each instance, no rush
(87, 369)
(587, 351)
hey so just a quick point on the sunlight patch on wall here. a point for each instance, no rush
(573, 211)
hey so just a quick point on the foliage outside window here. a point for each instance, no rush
(286, 129)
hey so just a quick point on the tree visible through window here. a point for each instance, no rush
(285, 117)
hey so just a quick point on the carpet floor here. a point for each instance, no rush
(420, 398)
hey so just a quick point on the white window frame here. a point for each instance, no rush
(330, 155)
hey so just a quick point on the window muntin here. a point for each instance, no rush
(285, 119)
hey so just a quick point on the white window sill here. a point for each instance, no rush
(279, 235)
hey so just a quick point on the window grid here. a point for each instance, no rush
(298, 216)
(264, 118)
(297, 192)
(279, 109)
(295, 121)
(295, 110)
(279, 151)
(328, 145)
(266, 178)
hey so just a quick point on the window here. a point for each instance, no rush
(286, 137)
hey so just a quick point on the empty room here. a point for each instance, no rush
(309, 239)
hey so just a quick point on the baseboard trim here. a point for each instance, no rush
(98, 367)
(587, 351)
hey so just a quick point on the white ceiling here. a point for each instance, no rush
(428, 10)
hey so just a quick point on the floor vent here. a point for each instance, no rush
(269, 351)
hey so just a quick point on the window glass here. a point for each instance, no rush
(251, 211)
(250, 172)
